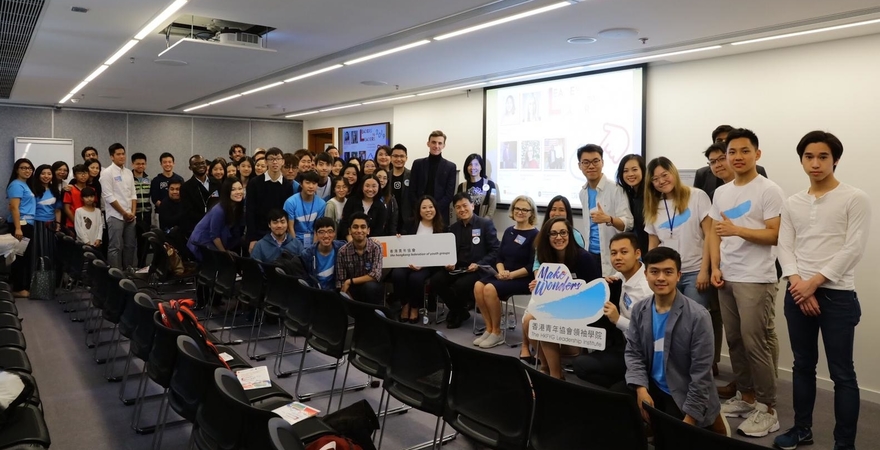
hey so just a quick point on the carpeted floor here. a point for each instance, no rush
(83, 411)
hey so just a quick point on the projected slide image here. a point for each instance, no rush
(533, 130)
(508, 155)
(362, 141)
(554, 154)
(530, 156)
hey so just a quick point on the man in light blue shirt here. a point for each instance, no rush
(320, 258)
(304, 208)
(277, 241)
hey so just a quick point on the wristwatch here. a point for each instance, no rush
(610, 222)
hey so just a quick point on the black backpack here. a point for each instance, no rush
(293, 265)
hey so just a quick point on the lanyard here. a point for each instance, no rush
(671, 218)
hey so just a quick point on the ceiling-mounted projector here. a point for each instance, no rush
(235, 37)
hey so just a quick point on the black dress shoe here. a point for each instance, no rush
(453, 322)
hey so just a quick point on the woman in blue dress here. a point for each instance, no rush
(513, 270)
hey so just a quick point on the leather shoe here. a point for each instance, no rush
(453, 322)
(728, 391)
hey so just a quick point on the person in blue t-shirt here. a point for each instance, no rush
(22, 209)
(669, 349)
(320, 257)
(304, 208)
(277, 240)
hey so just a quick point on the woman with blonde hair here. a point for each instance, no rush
(512, 268)
(677, 216)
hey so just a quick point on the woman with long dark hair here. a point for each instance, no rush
(387, 198)
(352, 174)
(555, 245)
(47, 218)
(61, 171)
(217, 170)
(94, 167)
(479, 188)
(22, 211)
(631, 177)
(223, 225)
(409, 282)
(366, 201)
(245, 167)
(383, 158)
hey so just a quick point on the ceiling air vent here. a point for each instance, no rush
(18, 18)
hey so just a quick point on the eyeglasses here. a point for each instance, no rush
(588, 163)
(398, 156)
(325, 232)
(717, 160)
(275, 158)
(563, 234)
(522, 210)
(663, 177)
(25, 168)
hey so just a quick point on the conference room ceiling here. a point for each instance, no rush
(313, 34)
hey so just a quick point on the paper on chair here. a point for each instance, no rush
(254, 378)
(295, 412)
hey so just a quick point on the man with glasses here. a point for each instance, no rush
(607, 205)
(717, 172)
(476, 244)
(320, 257)
(265, 193)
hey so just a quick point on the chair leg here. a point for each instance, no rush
(160, 421)
(125, 376)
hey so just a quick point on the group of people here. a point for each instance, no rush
(684, 262)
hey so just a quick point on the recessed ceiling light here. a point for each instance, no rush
(618, 33)
(79, 9)
(387, 52)
(581, 40)
(374, 83)
(802, 33)
(521, 15)
(170, 62)
(302, 114)
(645, 58)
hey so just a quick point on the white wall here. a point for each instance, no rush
(780, 94)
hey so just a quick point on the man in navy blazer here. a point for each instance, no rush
(476, 244)
(433, 176)
(669, 349)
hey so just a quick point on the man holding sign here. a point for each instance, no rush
(669, 349)
(359, 264)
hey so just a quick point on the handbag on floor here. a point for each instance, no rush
(43, 280)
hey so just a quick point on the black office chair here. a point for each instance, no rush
(140, 342)
(99, 280)
(251, 292)
(296, 312)
(272, 308)
(160, 368)
(14, 359)
(329, 334)
(282, 436)
(254, 420)
(224, 287)
(568, 415)
(10, 337)
(417, 372)
(111, 311)
(205, 277)
(370, 347)
(10, 321)
(489, 397)
(671, 433)
(25, 428)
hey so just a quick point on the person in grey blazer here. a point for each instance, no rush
(669, 349)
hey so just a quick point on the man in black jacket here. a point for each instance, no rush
(400, 181)
(433, 176)
(264, 193)
(476, 244)
(197, 194)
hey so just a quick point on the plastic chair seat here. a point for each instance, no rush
(14, 359)
(25, 427)
(8, 308)
(10, 321)
(10, 337)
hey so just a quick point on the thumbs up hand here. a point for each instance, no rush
(725, 227)
(598, 215)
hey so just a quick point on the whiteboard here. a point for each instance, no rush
(45, 151)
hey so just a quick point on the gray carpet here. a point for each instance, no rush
(83, 412)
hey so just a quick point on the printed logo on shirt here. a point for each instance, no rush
(739, 210)
(397, 185)
(88, 223)
(627, 301)
(406, 183)
(677, 221)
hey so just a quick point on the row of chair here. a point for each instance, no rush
(25, 426)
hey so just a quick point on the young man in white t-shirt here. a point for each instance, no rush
(745, 230)
(607, 368)
(822, 237)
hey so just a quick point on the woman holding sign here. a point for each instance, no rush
(512, 274)
(555, 244)
(409, 283)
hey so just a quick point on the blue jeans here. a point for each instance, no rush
(688, 286)
(840, 313)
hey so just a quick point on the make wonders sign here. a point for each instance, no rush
(564, 307)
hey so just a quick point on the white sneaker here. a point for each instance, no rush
(760, 423)
(492, 341)
(737, 407)
(482, 338)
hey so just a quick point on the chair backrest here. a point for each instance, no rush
(282, 435)
(207, 272)
(159, 263)
(673, 434)
(418, 370)
(275, 285)
(296, 304)
(253, 282)
(567, 415)
(193, 372)
(371, 340)
(489, 397)
(255, 421)
(144, 330)
(329, 321)
(163, 355)
(100, 278)
(115, 301)
(128, 320)
(226, 271)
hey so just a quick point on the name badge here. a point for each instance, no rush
(658, 345)
(519, 239)
(118, 178)
(627, 301)
(476, 232)
(368, 266)
(215, 194)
